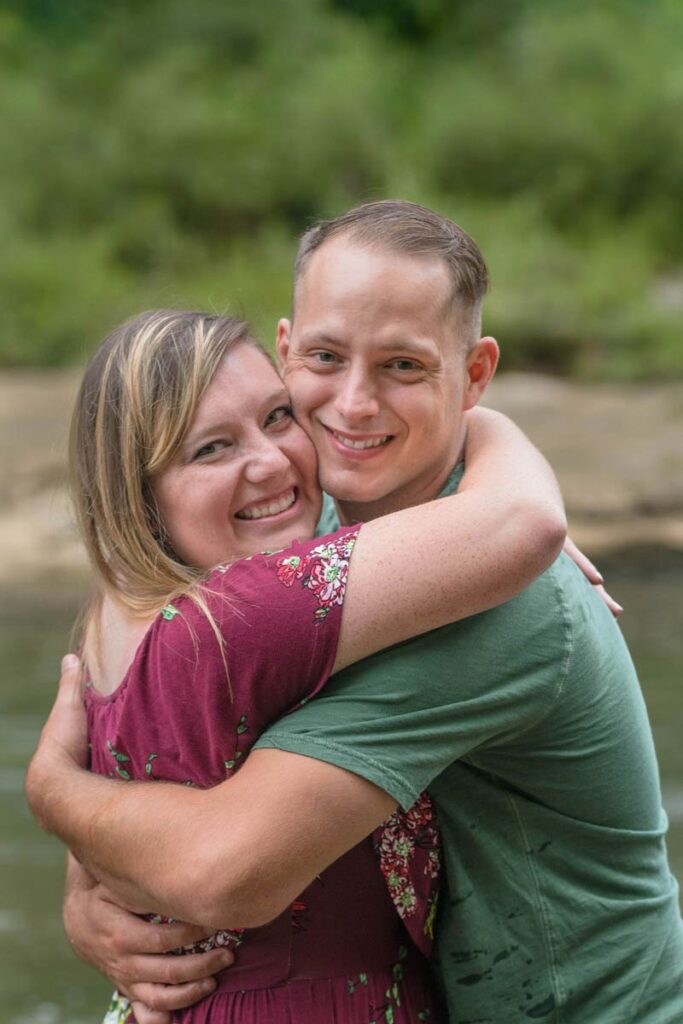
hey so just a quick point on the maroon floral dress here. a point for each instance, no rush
(352, 948)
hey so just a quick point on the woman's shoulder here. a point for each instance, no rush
(312, 571)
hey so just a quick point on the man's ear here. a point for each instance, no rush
(480, 366)
(284, 330)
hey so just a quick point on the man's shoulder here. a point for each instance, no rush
(546, 606)
(329, 517)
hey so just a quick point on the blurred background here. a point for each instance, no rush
(168, 154)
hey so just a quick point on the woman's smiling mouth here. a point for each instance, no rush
(268, 507)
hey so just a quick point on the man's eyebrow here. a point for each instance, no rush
(423, 348)
(318, 338)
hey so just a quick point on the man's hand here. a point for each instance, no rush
(66, 730)
(64, 738)
(130, 951)
(593, 575)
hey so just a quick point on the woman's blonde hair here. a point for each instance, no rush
(139, 394)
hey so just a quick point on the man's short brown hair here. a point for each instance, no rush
(411, 230)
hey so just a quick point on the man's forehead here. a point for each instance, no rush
(346, 249)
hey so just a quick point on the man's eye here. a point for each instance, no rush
(405, 365)
(283, 414)
(326, 358)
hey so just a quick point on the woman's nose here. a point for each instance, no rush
(265, 460)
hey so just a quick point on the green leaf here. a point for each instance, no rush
(123, 773)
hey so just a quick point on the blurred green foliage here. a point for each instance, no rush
(164, 153)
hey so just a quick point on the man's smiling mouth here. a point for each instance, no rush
(360, 444)
(269, 507)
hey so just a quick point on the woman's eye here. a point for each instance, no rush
(282, 414)
(210, 448)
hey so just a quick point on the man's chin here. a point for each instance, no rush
(348, 487)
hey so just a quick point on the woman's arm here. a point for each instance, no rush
(420, 568)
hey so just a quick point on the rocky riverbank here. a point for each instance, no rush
(617, 450)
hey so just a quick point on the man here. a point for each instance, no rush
(529, 730)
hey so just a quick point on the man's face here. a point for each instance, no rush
(378, 377)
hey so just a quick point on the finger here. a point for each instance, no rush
(131, 934)
(70, 681)
(590, 571)
(164, 938)
(614, 606)
(171, 997)
(179, 970)
(145, 1015)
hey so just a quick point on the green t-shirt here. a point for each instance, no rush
(528, 727)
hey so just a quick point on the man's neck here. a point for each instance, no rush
(417, 493)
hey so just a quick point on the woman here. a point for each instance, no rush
(185, 455)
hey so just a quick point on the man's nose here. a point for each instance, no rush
(357, 396)
(266, 460)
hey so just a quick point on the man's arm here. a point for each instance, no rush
(243, 868)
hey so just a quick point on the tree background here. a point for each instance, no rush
(158, 152)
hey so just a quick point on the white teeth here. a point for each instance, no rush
(271, 509)
(348, 442)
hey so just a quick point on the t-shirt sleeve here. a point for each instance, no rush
(279, 616)
(401, 717)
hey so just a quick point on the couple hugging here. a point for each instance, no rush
(478, 680)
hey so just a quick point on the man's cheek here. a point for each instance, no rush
(305, 400)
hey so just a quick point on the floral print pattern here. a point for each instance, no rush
(404, 840)
(119, 1011)
(323, 571)
(389, 1011)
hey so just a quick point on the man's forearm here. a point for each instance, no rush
(109, 830)
(232, 856)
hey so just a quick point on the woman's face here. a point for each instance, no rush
(245, 478)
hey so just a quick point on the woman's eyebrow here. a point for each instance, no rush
(279, 396)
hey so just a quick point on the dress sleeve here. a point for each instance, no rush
(279, 616)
